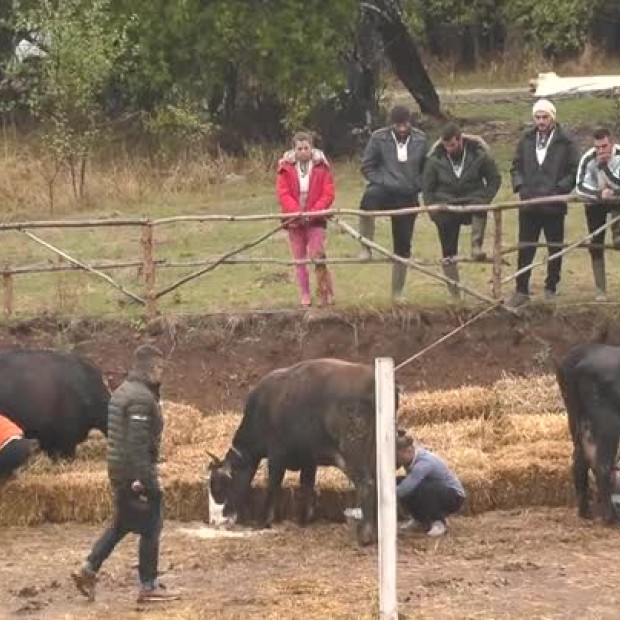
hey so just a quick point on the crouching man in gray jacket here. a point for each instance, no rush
(135, 425)
(430, 491)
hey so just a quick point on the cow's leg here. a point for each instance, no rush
(366, 499)
(307, 478)
(607, 448)
(580, 478)
(276, 475)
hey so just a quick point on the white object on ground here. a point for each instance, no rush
(204, 532)
(549, 84)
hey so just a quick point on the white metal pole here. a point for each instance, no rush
(386, 486)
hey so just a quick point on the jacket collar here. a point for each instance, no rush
(559, 134)
(138, 377)
(288, 159)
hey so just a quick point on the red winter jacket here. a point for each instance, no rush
(320, 192)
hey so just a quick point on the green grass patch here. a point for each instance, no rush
(273, 286)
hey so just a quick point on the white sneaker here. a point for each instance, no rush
(438, 528)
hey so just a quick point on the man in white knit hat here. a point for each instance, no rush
(545, 164)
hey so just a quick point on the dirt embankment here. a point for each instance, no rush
(215, 359)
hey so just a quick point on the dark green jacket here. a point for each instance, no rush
(135, 425)
(478, 184)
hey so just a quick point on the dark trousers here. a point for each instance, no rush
(530, 226)
(432, 501)
(140, 517)
(13, 455)
(596, 216)
(449, 228)
(378, 198)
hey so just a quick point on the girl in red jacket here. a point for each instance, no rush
(305, 184)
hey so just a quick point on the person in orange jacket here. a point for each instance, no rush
(14, 447)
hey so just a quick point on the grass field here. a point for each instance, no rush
(268, 286)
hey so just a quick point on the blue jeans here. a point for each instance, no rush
(131, 514)
(432, 501)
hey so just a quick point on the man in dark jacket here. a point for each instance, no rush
(545, 164)
(392, 164)
(459, 170)
(135, 426)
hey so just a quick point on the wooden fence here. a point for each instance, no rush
(148, 264)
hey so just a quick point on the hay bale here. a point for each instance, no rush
(509, 396)
(55, 498)
(447, 405)
(504, 460)
(537, 394)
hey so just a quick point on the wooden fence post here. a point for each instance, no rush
(497, 254)
(7, 284)
(386, 489)
(148, 269)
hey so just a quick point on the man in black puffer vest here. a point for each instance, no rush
(135, 425)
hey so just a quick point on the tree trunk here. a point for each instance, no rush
(402, 52)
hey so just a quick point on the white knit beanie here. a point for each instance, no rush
(544, 105)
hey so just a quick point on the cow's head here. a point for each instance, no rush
(229, 480)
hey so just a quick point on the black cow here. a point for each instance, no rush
(317, 412)
(589, 379)
(55, 397)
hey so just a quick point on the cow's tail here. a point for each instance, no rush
(569, 388)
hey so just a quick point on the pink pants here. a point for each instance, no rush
(309, 242)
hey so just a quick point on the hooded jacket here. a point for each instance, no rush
(479, 182)
(556, 175)
(321, 191)
(380, 165)
(135, 425)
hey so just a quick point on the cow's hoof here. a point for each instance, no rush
(585, 514)
(366, 535)
(306, 518)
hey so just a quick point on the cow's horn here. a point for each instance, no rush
(217, 462)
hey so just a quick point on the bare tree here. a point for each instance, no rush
(402, 52)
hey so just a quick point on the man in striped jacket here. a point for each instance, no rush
(598, 180)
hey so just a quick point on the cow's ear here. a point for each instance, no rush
(215, 461)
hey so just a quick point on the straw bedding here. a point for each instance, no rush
(509, 444)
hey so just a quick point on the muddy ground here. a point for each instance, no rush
(215, 359)
(537, 563)
(529, 564)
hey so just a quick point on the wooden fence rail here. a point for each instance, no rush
(148, 264)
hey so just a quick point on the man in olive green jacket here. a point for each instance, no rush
(459, 170)
(135, 425)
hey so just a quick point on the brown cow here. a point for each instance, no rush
(317, 412)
